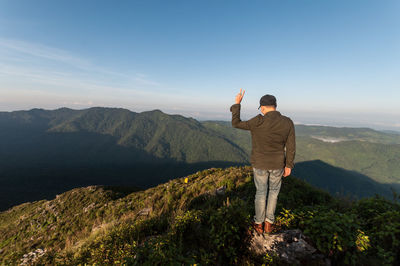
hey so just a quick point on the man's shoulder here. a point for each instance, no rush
(287, 119)
(257, 117)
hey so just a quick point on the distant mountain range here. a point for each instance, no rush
(44, 153)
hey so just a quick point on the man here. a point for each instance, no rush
(272, 155)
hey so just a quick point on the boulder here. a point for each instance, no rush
(290, 246)
(145, 212)
(221, 190)
(31, 257)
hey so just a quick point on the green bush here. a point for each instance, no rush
(228, 231)
(335, 234)
(381, 221)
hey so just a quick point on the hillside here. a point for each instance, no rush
(339, 134)
(381, 162)
(44, 153)
(323, 133)
(341, 182)
(151, 135)
(368, 153)
(179, 222)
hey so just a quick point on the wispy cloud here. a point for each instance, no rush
(58, 67)
(141, 78)
(38, 50)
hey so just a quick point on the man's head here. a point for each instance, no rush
(267, 103)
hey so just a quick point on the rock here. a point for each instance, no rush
(290, 246)
(220, 190)
(31, 257)
(145, 212)
(89, 207)
(216, 192)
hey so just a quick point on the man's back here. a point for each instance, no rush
(270, 135)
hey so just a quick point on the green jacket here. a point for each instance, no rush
(271, 136)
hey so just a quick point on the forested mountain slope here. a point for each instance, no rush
(43, 153)
(362, 161)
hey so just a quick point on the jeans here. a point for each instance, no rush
(268, 184)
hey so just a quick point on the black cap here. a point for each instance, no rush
(267, 100)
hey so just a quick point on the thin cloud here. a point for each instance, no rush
(144, 81)
(58, 67)
(42, 51)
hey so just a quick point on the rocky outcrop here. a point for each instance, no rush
(290, 246)
(31, 257)
(145, 212)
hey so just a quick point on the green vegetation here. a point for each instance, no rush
(240, 137)
(151, 135)
(63, 149)
(374, 155)
(369, 152)
(188, 223)
(381, 162)
(346, 133)
(341, 182)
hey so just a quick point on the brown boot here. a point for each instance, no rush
(258, 228)
(267, 227)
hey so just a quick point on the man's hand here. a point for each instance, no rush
(287, 172)
(239, 96)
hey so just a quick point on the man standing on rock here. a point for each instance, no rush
(272, 155)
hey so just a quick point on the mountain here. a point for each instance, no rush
(323, 133)
(339, 134)
(199, 219)
(43, 153)
(381, 162)
(155, 134)
(395, 132)
(341, 182)
(361, 154)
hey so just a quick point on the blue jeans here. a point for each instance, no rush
(268, 184)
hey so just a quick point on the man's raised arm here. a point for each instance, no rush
(235, 109)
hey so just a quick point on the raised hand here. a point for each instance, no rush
(239, 96)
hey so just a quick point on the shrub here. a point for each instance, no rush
(229, 227)
(381, 221)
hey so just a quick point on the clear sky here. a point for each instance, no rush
(327, 62)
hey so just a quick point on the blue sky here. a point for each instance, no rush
(327, 62)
